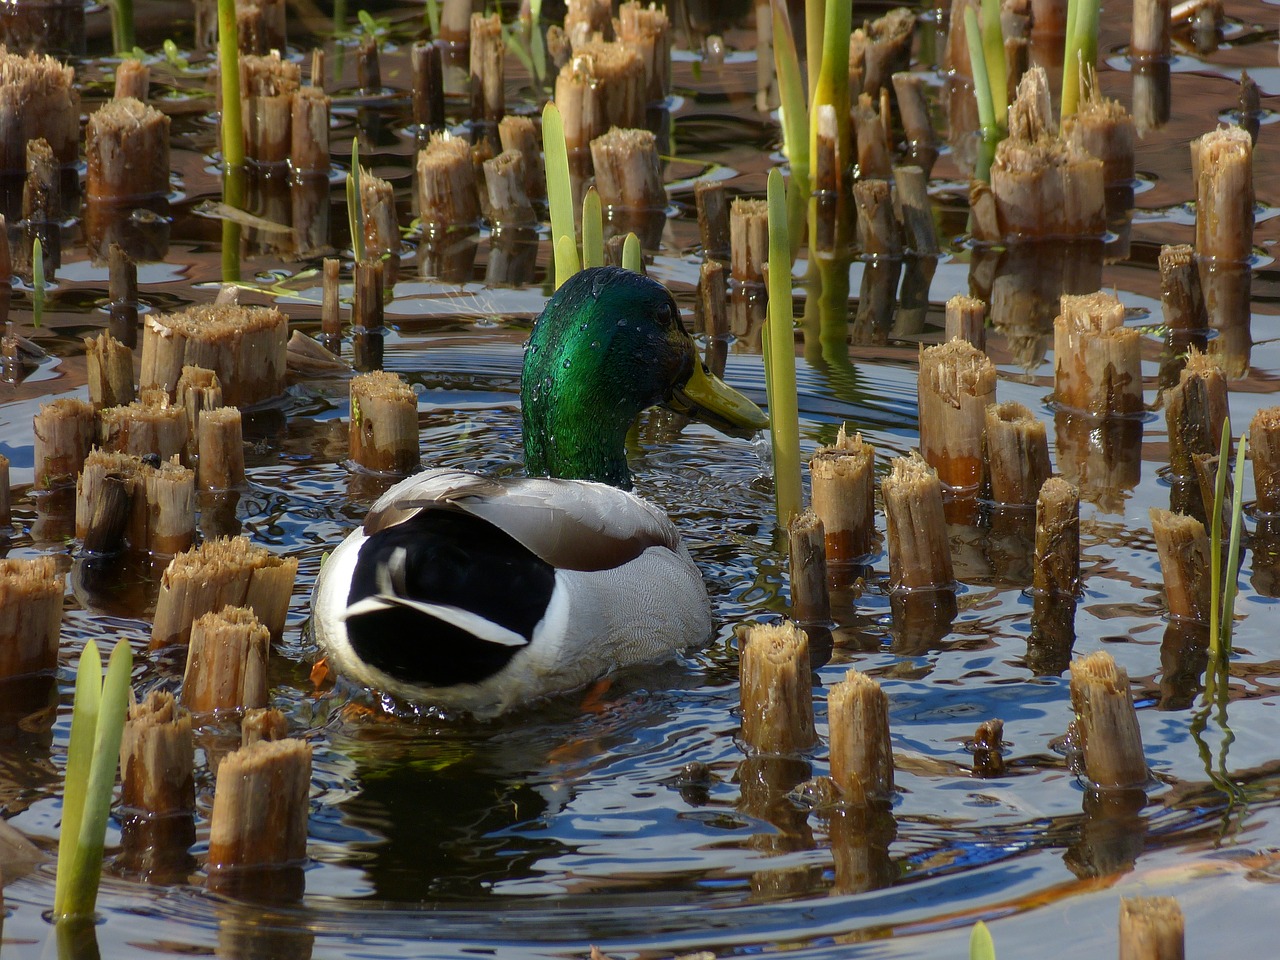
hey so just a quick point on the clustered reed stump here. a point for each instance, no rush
(1096, 362)
(217, 574)
(648, 31)
(221, 448)
(30, 615)
(245, 346)
(776, 689)
(122, 501)
(226, 662)
(268, 86)
(149, 425)
(447, 195)
(628, 170)
(842, 481)
(198, 389)
(64, 432)
(521, 134)
(488, 52)
(748, 239)
(505, 180)
(602, 86)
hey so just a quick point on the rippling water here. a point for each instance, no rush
(634, 820)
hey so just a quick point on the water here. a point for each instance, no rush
(630, 819)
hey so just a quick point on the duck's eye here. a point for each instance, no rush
(665, 314)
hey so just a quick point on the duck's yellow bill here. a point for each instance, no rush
(708, 398)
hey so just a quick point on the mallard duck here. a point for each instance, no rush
(481, 594)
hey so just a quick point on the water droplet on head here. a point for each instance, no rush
(565, 363)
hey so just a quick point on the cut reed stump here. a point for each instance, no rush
(861, 750)
(1196, 409)
(38, 100)
(384, 423)
(602, 86)
(917, 125)
(258, 829)
(1096, 362)
(126, 152)
(262, 723)
(220, 573)
(110, 371)
(1056, 578)
(330, 306)
(1017, 451)
(956, 385)
(157, 515)
(122, 291)
(488, 50)
(261, 26)
(842, 480)
(1151, 928)
(381, 232)
(30, 615)
(149, 425)
(1102, 128)
(587, 20)
(133, 79)
(1184, 551)
(1106, 723)
(628, 170)
(748, 239)
(198, 389)
(878, 232)
(447, 197)
(1222, 162)
(1264, 445)
(713, 218)
(309, 152)
(919, 550)
(966, 320)
(777, 689)
(428, 87)
(64, 432)
(1181, 296)
(648, 31)
(504, 179)
(245, 346)
(221, 446)
(268, 86)
(226, 662)
(521, 134)
(810, 602)
(157, 793)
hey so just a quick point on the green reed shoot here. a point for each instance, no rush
(229, 65)
(122, 36)
(355, 204)
(981, 946)
(37, 282)
(993, 56)
(795, 118)
(93, 757)
(592, 230)
(780, 362)
(1081, 51)
(632, 256)
(559, 193)
(432, 16)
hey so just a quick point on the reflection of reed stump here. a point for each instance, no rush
(244, 346)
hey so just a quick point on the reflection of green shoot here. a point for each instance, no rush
(592, 230)
(432, 15)
(93, 757)
(1081, 52)
(780, 354)
(355, 203)
(632, 258)
(229, 64)
(981, 946)
(1223, 579)
(37, 282)
(559, 193)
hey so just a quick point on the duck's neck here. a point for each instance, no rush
(574, 433)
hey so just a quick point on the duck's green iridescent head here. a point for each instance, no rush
(609, 344)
